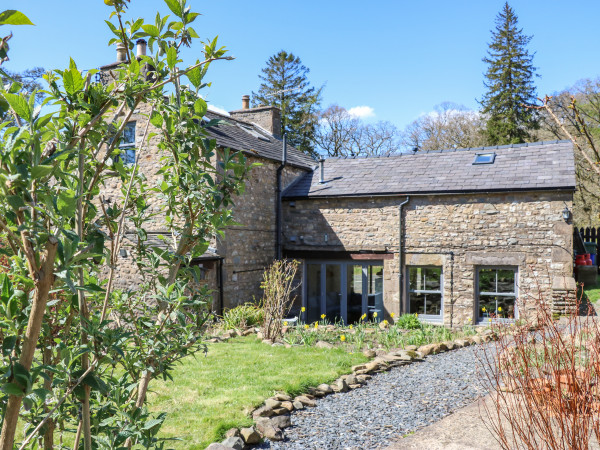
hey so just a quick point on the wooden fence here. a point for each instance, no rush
(591, 235)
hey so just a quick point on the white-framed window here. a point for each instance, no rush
(496, 289)
(425, 291)
(127, 145)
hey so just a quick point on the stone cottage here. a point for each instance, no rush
(233, 267)
(456, 236)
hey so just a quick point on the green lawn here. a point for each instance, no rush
(593, 292)
(214, 393)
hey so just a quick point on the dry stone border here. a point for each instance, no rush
(274, 415)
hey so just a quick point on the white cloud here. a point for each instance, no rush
(218, 109)
(362, 112)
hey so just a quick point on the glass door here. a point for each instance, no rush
(343, 291)
(313, 293)
(354, 289)
(333, 293)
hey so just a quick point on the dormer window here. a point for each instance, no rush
(484, 158)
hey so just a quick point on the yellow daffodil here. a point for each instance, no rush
(323, 316)
(285, 324)
(306, 326)
(483, 309)
(316, 325)
(385, 322)
(416, 314)
(374, 314)
(499, 308)
(469, 319)
(392, 315)
(303, 309)
(363, 317)
(351, 327)
(342, 338)
(490, 320)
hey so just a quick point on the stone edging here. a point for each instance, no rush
(274, 415)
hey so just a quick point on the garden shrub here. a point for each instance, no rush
(242, 316)
(409, 322)
(278, 285)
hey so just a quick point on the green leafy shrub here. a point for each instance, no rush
(242, 316)
(409, 322)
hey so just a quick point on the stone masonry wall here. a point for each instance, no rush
(250, 246)
(517, 229)
(247, 248)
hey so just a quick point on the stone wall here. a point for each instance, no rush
(457, 232)
(249, 247)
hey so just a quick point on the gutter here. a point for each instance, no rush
(433, 193)
(278, 211)
(400, 255)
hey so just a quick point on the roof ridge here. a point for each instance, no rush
(450, 150)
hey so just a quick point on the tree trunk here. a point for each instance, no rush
(44, 281)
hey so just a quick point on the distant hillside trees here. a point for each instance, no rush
(578, 112)
(509, 83)
(340, 133)
(448, 126)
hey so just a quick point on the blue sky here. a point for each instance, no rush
(399, 58)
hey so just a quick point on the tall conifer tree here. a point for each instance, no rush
(285, 85)
(509, 83)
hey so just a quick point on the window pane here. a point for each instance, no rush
(128, 135)
(433, 304)
(333, 294)
(415, 277)
(487, 306)
(506, 281)
(487, 280)
(506, 307)
(313, 295)
(128, 155)
(433, 278)
(417, 303)
(375, 292)
(354, 292)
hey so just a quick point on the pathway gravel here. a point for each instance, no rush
(392, 404)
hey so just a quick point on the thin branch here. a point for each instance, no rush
(547, 107)
(60, 402)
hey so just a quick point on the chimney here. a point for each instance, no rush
(321, 170)
(245, 102)
(121, 52)
(267, 117)
(141, 47)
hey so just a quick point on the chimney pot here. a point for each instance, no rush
(322, 170)
(121, 52)
(141, 47)
(245, 102)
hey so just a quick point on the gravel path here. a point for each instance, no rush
(391, 405)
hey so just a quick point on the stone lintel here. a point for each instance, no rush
(495, 258)
(424, 260)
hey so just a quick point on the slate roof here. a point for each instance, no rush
(521, 167)
(254, 140)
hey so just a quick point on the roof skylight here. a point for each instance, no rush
(484, 158)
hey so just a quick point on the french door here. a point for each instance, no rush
(343, 290)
